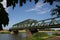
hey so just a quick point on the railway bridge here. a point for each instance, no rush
(34, 25)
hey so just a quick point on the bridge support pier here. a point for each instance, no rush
(14, 32)
(29, 32)
(33, 30)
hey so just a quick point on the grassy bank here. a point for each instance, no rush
(4, 32)
(41, 36)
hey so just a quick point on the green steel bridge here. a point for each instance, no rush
(30, 24)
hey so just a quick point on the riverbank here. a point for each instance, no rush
(44, 36)
(8, 32)
(54, 38)
(41, 35)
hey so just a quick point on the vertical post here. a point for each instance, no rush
(28, 33)
(52, 21)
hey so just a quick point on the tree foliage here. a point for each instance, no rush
(21, 2)
(4, 20)
(1, 0)
(56, 11)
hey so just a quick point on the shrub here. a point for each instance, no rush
(38, 36)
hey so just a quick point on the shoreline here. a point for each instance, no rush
(8, 32)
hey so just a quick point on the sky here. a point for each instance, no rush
(39, 11)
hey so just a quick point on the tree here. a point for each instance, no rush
(4, 20)
(56, 11)
(21, 2)
(14, 2)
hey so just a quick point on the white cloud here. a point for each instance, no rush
(39, 8)
(4, 5)
(43, 12)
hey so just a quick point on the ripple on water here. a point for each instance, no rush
(13, 36)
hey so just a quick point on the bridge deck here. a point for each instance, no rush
(30, 24)
(38, 27)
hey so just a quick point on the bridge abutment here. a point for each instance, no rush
(33, 30)
(14, 32)
(30, 32)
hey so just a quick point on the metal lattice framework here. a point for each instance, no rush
(30, 23)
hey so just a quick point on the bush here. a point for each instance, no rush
(38, 36)
(56, 34)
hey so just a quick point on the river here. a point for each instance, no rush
(20, 36)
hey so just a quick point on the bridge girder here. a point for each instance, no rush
(39, 24)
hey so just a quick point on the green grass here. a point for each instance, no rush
(4, 32)
(39, 36)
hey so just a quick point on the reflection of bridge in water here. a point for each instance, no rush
(32, 24)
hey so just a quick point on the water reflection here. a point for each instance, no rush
(50, 33)
(20, 36)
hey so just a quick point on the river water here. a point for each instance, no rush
(20, 36)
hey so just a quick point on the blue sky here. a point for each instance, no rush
(29, 10)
